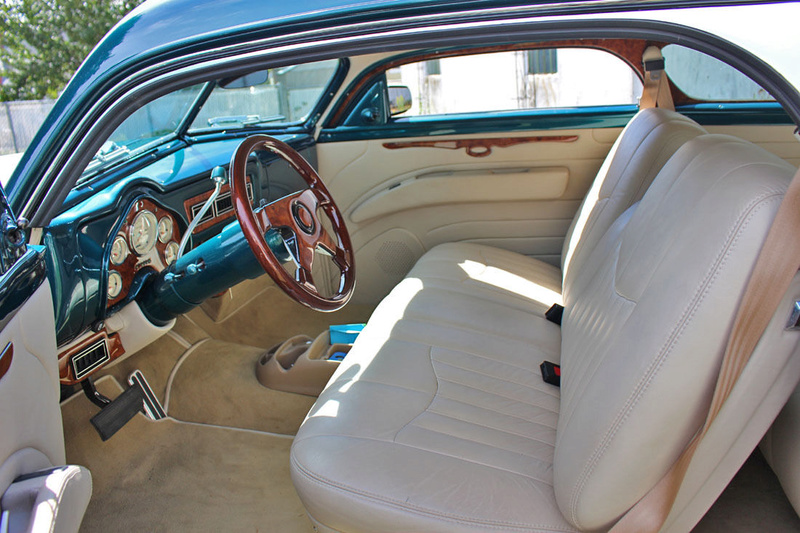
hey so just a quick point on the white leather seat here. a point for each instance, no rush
(639, 153)
(438, 419)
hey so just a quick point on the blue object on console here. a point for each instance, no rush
(345, 333)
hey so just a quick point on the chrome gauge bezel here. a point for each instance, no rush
(165, 229)
(119, 258)
(151, 236)
(114, 286)
(171, 248)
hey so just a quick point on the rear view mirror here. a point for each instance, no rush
(248, 80)
(399, 100)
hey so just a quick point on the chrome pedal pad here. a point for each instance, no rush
(152, 408)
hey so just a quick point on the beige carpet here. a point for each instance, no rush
(216, 384)
(257, 313)
(172, 476)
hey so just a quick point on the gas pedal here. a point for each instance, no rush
(139, 397)
(152, 407)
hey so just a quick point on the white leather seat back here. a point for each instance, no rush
(646, 322)
(641, 150)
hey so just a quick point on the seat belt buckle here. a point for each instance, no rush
(555, 314)
(551, 373)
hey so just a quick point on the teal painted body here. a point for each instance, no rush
(227, 260)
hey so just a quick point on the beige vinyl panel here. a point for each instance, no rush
(399, 203)
(31, 437)
(779, 140)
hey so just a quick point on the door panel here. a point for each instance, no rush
(399, 203)
(31, 437)
(780, 140)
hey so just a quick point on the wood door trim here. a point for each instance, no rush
(5, 359)
(479, 147)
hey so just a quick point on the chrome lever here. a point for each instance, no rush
(220, 178)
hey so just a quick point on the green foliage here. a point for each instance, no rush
(42, 42)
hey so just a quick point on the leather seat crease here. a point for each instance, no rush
(638, 154)
(438, 419)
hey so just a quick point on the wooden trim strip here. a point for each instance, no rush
(5, 359)
(479, 147)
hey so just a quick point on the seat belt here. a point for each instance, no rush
(656, 86)
(776, 266)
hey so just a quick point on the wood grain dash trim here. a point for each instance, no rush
(5, 359)
(480, 147)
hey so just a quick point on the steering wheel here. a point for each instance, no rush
(300, 213)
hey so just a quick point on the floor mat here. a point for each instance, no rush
(174, 476)
(216, 384)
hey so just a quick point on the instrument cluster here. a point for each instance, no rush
(148, 237)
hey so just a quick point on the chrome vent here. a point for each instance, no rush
(89, 359)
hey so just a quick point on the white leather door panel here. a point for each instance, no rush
(399, 203)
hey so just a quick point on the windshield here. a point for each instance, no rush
(149, 126)
(274, 97)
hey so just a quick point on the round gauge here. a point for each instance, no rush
(165, 229)
(119, 250)
(144, 232)
(114, 284)
(171, 253)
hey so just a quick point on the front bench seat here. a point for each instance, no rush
(645, 145)
(431, 426)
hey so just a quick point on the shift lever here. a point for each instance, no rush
(220, 178)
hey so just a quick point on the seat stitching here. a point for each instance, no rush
(493, 428)
(499, 395)
(545, 462)
(505, 380)
(433, 397)
(461, 350)
(436, 452)
(748, 213)
(494, 524)
(499, 412)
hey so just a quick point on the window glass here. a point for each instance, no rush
(280, 96)
(145, 127)
(703, 77)
(528, 79)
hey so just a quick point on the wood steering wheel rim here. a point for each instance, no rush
(299, 212)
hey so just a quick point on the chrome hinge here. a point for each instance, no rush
(794, 318)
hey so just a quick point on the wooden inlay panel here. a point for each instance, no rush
(133, 262)
(479, 147)
(5, 359)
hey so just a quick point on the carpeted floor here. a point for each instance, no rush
(174, 476)
(257, 313)
(216, 383)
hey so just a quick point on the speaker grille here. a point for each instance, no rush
(395, 257)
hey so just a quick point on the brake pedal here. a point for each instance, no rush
(139, 397)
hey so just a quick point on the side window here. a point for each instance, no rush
(518, 80)
(705, 78)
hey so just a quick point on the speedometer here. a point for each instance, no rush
(144, 232)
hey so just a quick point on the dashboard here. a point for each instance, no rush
(112, 242)
(148, 237)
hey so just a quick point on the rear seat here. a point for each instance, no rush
(641, 150)
(438, 419)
